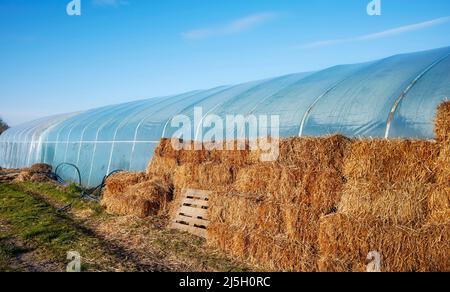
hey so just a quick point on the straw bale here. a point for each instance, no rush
(279, 204)
(207, 176)
(439, 202)
(314, 153)
(273, 253)
(442, 123)
(439, 205)
(162, 167)
(297, 224)
(237, 153)
(118, 183)
(390, 180)
(143, 199)
(166, 150)
(345, 243)
(250, 212)
(443, 164)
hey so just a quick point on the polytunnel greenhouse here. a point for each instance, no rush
(389, 98)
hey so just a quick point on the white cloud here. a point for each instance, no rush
(114, 3)
(233, 27)
(378, 35)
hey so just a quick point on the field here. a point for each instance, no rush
(38, 229)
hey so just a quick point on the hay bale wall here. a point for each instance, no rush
(273, 209)
(269, 213)
(439, 203)
(396, 202)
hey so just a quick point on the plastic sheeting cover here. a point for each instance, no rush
(354, 100)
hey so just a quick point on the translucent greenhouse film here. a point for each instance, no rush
(390, 98)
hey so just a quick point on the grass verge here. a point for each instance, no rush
(36, 236)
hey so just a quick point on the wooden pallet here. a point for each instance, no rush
(193, 216)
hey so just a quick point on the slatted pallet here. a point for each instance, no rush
(193, 217)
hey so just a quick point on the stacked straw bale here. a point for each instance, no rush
(164, 161)
(206, 176)
(120, 182)
(439, 202)
(211, 170)
(195, 164)
(273, 209)
(255, 229)
(396, 202)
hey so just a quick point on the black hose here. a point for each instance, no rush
(89, 195)
(72, 165)
(84, 193)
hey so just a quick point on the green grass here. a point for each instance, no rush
(39, 224)
(69, 195)
(31, 213)
(35, 220)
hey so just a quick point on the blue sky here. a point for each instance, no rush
(122, 50)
